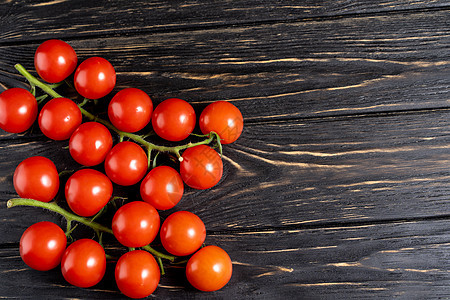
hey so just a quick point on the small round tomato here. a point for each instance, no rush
(55, 60)
(136, 224)
(182, 233)
(201, 167)
(36, 178)
(223, 118)
(90, 143)
(130, 110)
(137, 274)
(18, 110)
(83, 263)
(42, 246)
(173, 119)
(162, 187)
(59, 118)
(88, 191)
(126, 163)
(95, 78)
(209, 269)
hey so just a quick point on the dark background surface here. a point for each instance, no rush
(338, 186)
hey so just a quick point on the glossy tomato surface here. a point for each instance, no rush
(173, 119)
(162, 187)
(42, 246)
(95, 78)
(209, 269)
(59, 118)
(83, 263)
(223, 118)
(55, 60)
(137, 274)
(130, 110)
(136, 224)
(18, 110)
(182, 233)
(201, 167)
(36, 178)
(126, 163)
(88, 191)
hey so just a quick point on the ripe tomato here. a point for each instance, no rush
(209, 269)
(201, 167)
(137, 274)
(126, 163)
(83, 263)
(88, 191)
(223, 118)
(42, 246)
(130, 110)
(94, 78)
(182, 233)
(162, 188)
(136, 224)
(90, 143)
(18, 110)
(173, 119)
(59, 118)
(36, 178)
(55, 60)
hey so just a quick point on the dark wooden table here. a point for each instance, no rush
(339, 185)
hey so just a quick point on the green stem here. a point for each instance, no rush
(159, 254)
(35, 82)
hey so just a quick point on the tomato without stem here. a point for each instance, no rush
(137, 274)
(42, 246)
(95, 78)
(18, 110)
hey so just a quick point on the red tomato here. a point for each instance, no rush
(90, 143)
(173, 119)
(83, 263)
(201, 167)
(94, 78)
(130, 110)
(87, 192)
(162, 188)
(36, 178)
(137, 274)
(126, 163)
(18, 110)
(59, 118)
(182, 233)
(55, 60)
(223, 118)
(209, 269)
(136, 224)
(42, 246)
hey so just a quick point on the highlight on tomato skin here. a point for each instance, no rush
(18, 110)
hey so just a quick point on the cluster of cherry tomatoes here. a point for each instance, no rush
(43, 246)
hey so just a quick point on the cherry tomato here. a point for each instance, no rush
(162, 188)
(90, 143)
(126, 163)
(95, 78)
(59, 118)
(223, 118)
(130, 110)
(55, 60)
(18, 110)
(88, 191)
(201, 167)
(83, 263)
(173, 119)
(42, 246)
(136, 224)
(182, 233)
(137, 274)
(209, 269)
(36, 178)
